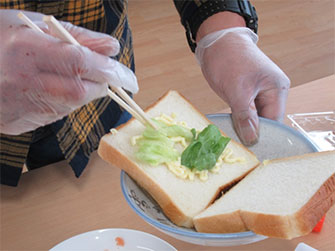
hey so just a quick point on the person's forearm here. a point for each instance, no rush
(219, 21)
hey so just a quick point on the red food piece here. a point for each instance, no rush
(318, 226)
(119, 241)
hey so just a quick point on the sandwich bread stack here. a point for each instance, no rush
(283, 198)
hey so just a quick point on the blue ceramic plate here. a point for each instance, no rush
(276, 140)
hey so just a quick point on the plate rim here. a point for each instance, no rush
(277, 124)
(198, 235)
(211, 236)
(54, 248)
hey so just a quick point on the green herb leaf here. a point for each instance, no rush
(204, 151)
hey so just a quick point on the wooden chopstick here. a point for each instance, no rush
(28, 22)
(63, 34)
(123, 104)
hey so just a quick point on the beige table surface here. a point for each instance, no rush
(51, 205)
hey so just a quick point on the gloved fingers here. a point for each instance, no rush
(33, 115)
(18, 127)
(65, 91)
(271, 103)
(120, 76)
(54, 56)
(104, 69)
(96, 41)
(246, 124)
(44, 79)
(10, 16)
(29, 122)
(71, 60)
(50, 103)
(273, 92)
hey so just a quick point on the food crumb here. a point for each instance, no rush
(119, 241)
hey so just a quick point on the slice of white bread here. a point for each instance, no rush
(180, 199)
(284, 198)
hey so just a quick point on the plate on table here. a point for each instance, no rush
(276, 140)
(114, 239)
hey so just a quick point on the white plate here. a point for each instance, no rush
(276, 140)
(114, 239)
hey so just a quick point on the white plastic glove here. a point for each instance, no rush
(42, 79)
(244, 77)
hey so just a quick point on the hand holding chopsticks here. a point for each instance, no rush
(64, 35)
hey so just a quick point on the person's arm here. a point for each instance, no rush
(202, 17)
(219, 21)
(42, 78)
(235, 68)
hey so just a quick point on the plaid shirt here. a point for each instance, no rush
(77, 135)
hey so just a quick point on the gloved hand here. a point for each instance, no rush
(244, 77)
(42, 79)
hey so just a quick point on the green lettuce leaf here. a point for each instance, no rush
(204, 151)
(155, 152)
(174, 130)
(156, 147)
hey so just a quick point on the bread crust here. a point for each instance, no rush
(317, 206)
(300, 223)
(285, 227)
(112, 155)
(306, 155)
(222, 223)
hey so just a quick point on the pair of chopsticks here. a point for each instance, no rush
(64, 35)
